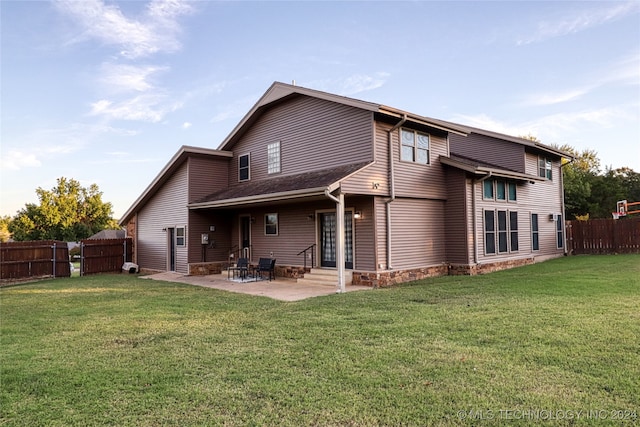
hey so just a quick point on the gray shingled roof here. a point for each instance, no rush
(290, 183)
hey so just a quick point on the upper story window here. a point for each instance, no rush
(498, 189)
(243, 167)
(273, 157)
(544, 168)
(414, 146)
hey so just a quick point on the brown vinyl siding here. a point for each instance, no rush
(378, 172)
(365, 240)
(207, 175)
(219, 240)
(455, 218)
(504, 154)
(418, 233)
(542, 198)
(296, 231)
(166, 209)
(419, 180)
(314, 134)
(380, 209)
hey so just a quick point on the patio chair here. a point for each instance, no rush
(240, 270)
(265, 265)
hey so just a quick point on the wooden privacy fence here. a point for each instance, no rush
(604, 236)
(104, 255)
(41, 258)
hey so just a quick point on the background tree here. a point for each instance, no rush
(67, 212)
(579, 177)
(5, 234)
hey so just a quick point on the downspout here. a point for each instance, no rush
(339, 237)
(473, 208)
(392, 187)
(564, 216)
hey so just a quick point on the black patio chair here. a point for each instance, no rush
(265, 265)
(240, 270)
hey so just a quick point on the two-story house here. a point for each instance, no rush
(381, 195)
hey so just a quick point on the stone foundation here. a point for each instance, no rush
(472, 270)
(390, 278)
(205, 268)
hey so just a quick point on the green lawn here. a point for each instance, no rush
(557, 341)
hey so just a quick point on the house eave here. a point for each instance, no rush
(433, 123)
(484, 171)
(261, 198)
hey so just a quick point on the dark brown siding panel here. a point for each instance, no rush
(167, 208)
(543, 198)
(418, 236)
(455, 218)
(374, 179)
(418, 180)
(314, 134)
(219, 245)
(380, 209)
(493, 151)
(207, 175)
(364, 233)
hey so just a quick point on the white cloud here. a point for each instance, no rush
(156, 31)
(363, 82)
(187, 125)
(16, 160)
(551, 126)
(146, 107)
(123, 77)
(603, 13)
(555, 98)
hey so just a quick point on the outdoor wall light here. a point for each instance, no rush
(357, 215)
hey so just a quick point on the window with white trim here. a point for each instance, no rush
(559, 232)
(243, 167)
(513, 231)
(499, 189)
(535, 233)
(271, 224)
(273, 157)
(414, 146)
(512, 194)
(489, 232)
(500, 231)
(180, 236)
(487, 189)
(545, 166)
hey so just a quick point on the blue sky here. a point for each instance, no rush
(106, 92)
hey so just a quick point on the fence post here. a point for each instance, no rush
(81, 258)
(54, 258)
(124, 254)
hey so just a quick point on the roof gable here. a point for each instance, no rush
(176, 161)
(282, 91)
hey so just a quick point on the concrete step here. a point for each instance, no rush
(322, 276)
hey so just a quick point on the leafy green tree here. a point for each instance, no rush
(578, 177)
(67, 212)
(5, 234)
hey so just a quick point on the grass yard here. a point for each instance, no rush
(557, 342)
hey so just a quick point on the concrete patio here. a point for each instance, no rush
(279, 289)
